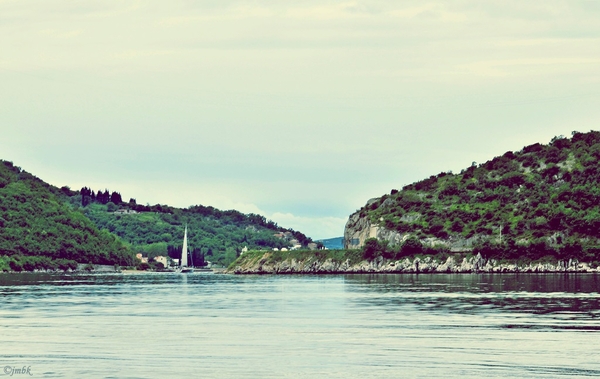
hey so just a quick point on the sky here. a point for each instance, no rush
(297, 110)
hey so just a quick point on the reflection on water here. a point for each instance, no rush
(558, 296)
(352, 326)
(559, 282)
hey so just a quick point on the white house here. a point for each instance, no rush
(161, 259)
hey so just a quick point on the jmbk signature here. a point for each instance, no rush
(10, 370)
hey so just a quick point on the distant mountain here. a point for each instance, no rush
(333, 243)
(39, 231)
(543, 200)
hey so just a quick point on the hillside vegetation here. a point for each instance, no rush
(45, 227)
(213, 235)
(543, 200)
(39, 231)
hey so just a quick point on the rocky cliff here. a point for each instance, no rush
(359, 228)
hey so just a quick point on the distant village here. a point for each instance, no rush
(288, 236)
(167, 262)
(173, 262)
(124, 211)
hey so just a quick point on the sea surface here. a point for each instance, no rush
(338, 326)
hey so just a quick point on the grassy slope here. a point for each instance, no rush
(250, 258)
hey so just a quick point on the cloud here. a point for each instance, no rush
(300, 111)
(528, 66)
(141, 54)
(62, 34)
(340, 10)
(537, 42)
(315, 227)
(429, 10)
(231, 13)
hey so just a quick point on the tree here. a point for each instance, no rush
(411, 246)
(86, 196)
(372, 248)
(230, 256)
(111, 207)
(457, 226)
(115, 198)
(198, 257)
(85, 200)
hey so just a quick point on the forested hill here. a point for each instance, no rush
(543, 200)
(214, 235)
(39, 231)
(42, 226)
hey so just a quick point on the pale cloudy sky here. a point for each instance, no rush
(298, 110)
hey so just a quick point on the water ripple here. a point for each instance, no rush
(340, 326)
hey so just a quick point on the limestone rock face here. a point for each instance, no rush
(358, 229)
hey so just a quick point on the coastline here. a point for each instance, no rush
(268, 264)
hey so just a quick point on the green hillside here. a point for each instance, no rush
(39, 231)
(42, 226)
(213, 235)
(543, 200)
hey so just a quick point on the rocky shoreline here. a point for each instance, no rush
(474, 264)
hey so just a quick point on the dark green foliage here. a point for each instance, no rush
(31, 263)
(143, 266)
(411, 246)
(546, 197)
(38, 227)
(88, 196)
(372, 248)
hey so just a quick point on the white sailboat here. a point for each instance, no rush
(183, 265)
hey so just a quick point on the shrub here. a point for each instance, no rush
(372, 249)
(411, 246)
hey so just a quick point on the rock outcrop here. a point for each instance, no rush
(359, 228)
(473, 264)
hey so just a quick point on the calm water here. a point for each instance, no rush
(352, 326)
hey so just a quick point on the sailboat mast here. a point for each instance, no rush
(184, 251)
